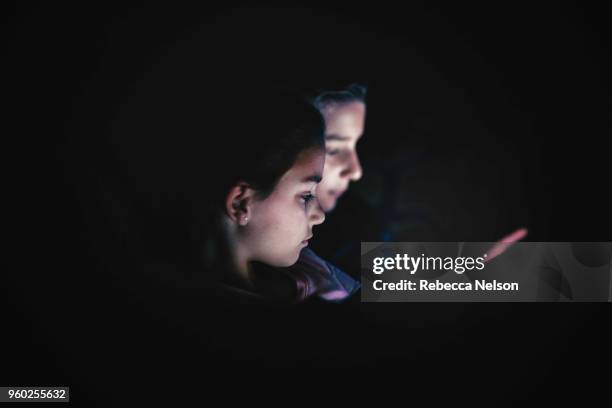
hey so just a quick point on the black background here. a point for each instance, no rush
(507, 105)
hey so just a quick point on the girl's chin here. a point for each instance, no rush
(293, 259)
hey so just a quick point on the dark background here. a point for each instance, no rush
(481, 119)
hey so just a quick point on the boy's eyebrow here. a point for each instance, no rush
(314, 178)
(336, 137)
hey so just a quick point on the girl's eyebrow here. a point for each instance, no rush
(315, 178)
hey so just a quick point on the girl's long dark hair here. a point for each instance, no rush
(162, 167)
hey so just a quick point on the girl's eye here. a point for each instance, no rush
(333, 152)
(307, 198)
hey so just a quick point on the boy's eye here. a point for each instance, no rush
(333, 152)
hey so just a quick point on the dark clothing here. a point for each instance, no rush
(126, 336)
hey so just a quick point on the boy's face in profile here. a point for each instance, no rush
(344, 124)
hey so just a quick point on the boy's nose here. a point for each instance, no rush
(353, 168)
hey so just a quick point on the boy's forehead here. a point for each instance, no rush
(355, 108)
(346, 119)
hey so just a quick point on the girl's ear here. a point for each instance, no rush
(238, 203)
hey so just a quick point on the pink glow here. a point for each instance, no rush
(506, 242)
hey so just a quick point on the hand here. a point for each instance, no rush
(503, 244)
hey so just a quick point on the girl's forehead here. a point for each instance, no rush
(308, 167)
(313, 158)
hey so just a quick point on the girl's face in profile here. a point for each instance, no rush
(344, 124)
(281, 225)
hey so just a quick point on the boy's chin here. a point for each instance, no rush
(328, 205)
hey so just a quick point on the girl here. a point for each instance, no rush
(267, 206)
(208, 182)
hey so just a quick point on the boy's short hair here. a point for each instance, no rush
(352, 93)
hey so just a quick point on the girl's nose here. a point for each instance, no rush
(318, 215)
